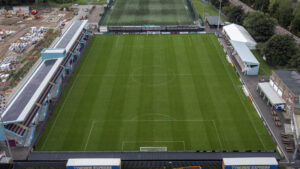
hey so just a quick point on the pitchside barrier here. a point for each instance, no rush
(147, 33)
(265, 122)
(141, 159)
(153, 28)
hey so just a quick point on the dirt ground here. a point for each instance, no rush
(22, 26)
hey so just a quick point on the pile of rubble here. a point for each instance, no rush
(6, 65)
(29, 39)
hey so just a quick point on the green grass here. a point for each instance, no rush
(148, 12)
(203, 9)
(95, 2)
(174, 91)
(264, 68)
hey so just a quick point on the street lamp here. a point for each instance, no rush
(219, 16)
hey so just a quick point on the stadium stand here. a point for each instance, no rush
(29, 105)
(240, 45)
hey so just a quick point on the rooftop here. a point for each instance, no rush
(94, 162)
(270, 93)
(251, 161)
(291, 78)
(244, 52)
(21, 104)
(238, 33)
(213, 20)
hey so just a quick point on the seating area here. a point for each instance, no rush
(287, 140)
(21, 128)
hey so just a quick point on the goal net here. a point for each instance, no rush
(153, 149)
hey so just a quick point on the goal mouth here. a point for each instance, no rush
(147, 149)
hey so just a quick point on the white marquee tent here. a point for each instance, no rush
(239, 33)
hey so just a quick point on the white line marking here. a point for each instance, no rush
(156, 141)
(238, 93)
(88, 138)
(63, 105)
(218, 134)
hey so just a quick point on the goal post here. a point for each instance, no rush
(153, 149)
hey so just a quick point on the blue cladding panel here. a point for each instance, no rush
(2, 134)
(252, 167)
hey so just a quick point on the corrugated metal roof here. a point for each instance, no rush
(250, 161)
(244, 52)
(94, 162)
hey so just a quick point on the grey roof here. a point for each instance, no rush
(69, 34)
(213, 20)
(244, 52)
(19, 104)
(146, 156)
(291, 78)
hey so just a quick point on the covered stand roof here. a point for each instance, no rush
(244, 52)
(213, 20)
(239, 33)
(291, 78)
(270, 93)
(94, 162)
(250, 161)
(21, 104)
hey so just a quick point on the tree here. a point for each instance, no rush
(295, 25)
(295, 61)
(279, 49)
(285, 13)
(236, 15)
(261, 27)
(216, 3)
(273, 8)
(261, 5)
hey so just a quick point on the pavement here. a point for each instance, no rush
(265, 110)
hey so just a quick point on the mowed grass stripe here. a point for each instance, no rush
(148, 12)
(154, 90)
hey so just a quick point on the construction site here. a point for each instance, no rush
(24, 33)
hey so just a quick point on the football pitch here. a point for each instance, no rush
(149, 12)
(173, 91)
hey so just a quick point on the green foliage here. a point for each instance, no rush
(279, 49)
(273, 8)
(285, 13)
(248, 2)
(295, 61)
(216, 3)
(261, 27)
(264, 68)
(236, 14)
(295, 25)
(261, 5)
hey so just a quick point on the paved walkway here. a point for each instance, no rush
(266, 112)
(278, 29)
